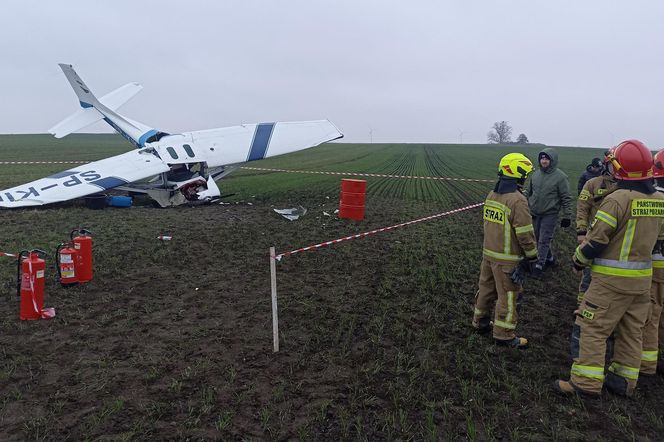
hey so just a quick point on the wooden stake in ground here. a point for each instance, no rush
(275, 316)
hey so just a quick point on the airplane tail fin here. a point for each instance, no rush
(88, 115)
(85, 96)
(94, 110)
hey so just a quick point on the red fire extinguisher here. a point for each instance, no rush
(30, 285)
(82, 240)
(66, 257)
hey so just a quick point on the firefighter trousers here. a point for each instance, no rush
(586, 277)
(602, 312)
(653, 330)
(495, 286)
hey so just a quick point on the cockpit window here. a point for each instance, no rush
(189, 150)
(172, 152)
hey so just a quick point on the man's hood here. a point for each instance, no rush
(553, 155)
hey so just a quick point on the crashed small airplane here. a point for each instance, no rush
(173, 169)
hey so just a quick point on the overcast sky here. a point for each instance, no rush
(563, 72)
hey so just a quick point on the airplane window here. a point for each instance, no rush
(171, 151)
(189, 150)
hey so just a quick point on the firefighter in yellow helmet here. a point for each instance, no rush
(509, 245)
(653, 332)
(618, 249)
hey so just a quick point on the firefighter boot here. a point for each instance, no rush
(567, 388)
(618, 385)
(514, 343)
(482, 325)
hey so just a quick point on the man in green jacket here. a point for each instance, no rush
(548, 194)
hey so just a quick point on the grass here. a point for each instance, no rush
(375, 337)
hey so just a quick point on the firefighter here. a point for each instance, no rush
(660, 364)
(653, 327)
(594, 169)
(594, 190)
(618, 248)
(509, 245)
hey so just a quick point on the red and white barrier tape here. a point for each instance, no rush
(44, 313)
(43, 162)
(372, 232)
(8, 254)
(371, 175)
(379, 175)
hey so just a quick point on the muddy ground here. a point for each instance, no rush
(173, 340)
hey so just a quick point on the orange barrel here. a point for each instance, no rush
(352, 199)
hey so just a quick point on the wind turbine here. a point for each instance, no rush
(461, 136)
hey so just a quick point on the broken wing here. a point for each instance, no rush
(85, 180)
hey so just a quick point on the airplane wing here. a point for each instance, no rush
(250, 142)
(85, 179)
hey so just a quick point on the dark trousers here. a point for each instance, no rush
(544, 226)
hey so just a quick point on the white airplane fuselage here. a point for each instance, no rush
(171, 168)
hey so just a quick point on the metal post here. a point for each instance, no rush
(275, 316)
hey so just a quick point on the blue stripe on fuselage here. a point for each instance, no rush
(121, 132)
(85, 105)
(145, 136)
(63, 174)
(109, 182)
(261, 141)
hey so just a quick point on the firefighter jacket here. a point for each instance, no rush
(586, 176)
(618, 248)
(658, 266)
(658, 256)
(590, 197)
(508, 228)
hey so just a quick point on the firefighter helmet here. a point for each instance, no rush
(515, 165)
(658, 170)
(608, 155)
(631, 161)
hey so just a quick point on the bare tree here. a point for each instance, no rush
(522, 139)
(500, 133)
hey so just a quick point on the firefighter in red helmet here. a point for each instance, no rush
(618, 249)
(654, 328)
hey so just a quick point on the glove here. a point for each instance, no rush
(577, 265)
(565, 222)
(580, 237)
(517, 276)
(526, 265)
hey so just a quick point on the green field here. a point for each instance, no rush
(173, 340)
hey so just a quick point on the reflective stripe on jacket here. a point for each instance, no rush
(627, 224)
(658, 267)
(591, 196)
(508, 228)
